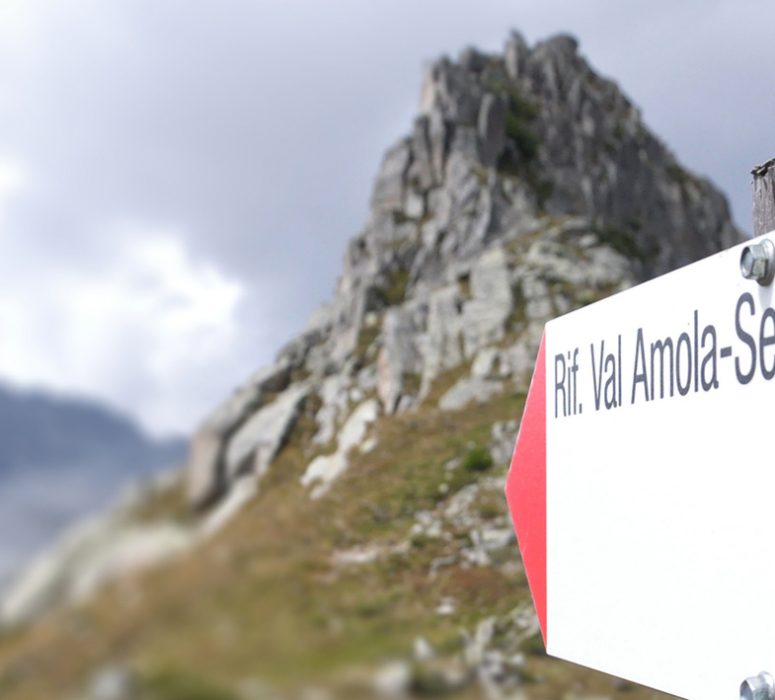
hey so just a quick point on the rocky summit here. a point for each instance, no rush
(528, 185)
(340, 529)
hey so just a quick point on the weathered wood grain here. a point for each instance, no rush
(764, 197)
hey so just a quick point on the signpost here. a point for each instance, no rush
(643, 480)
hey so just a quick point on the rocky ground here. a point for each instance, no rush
(341, 530)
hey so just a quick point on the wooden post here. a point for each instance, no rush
(764, 197)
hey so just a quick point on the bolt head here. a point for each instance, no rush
(757, 261)
(761, 687)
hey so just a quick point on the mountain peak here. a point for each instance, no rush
(519, 167)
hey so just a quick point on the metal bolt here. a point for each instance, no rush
(757, 261)
(761, 687)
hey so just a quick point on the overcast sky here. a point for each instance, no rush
(178, 179)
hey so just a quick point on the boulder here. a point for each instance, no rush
(486, 314)
(486, 364)
(469, 390)
(113, 683)
(414, 204)
(538, 299)
(400, 355)
(206, 478)
(256, 442)
(334, 394)
(515, 361)
(245, 398)
(444, 345)
(393, 679)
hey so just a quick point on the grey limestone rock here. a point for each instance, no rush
(492, 128)
(422, 174)
(454, 91)
(393, 679)
(414, 204)
(325, 469)
(255, 443)
(113, 683)
(444, 348)
(469, 390)
(502, 439)
(486, 313)
(400, 357)
(486, 364)
(334, 393)
(515, 54)
(515, 361)
(389, 187)
(206, 476)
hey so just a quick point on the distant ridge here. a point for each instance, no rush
(61, 458)
(38, 429)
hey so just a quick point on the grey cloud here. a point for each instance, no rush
(255, 128)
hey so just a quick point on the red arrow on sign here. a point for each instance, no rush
(526, 488)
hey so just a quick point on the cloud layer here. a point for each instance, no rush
(178, 181)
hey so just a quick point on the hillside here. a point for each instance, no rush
(346, 533)
(61, 458)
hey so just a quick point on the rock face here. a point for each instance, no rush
(209, 467)
(527, 186)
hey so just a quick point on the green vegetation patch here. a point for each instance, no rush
(520, 133)
(520, 113)
(367, 335)
(519, 157)
(411, 382)
(175, 684)
(478, 459)
(623, 242)
(394, 291)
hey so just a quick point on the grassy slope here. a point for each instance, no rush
(264, 601)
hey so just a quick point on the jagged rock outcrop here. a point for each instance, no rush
(528, 185)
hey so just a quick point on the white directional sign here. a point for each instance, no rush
(643, 482)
